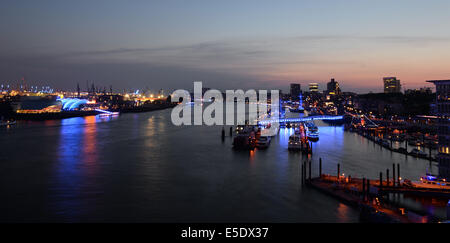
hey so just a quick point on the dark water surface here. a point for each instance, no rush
(141, 168)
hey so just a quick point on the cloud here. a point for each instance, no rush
(232, 63)
(122, 75)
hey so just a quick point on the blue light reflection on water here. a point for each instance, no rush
(361, 157)
(78, 166)
(68, 181)
(142, 168)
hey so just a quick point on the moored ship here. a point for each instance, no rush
(312, 131)
(245, 138)
(429, 182)
(295, 142)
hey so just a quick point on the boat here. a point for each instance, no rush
(263, 142)
(239, 128)
(312, 131)
(7, 123)
(429, 182)
(397, 137)
(313, 136)
(402, 150)
(296, 110)
(104, 114)
(414, 142)
(385, 143)
(433, 144)
(310, 126)
(418, 153)
(270, 131)
(245, 138)
(295, 142)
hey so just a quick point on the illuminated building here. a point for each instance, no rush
(314, 87)
(70, 104)
(295, 91)
(333, 87)
(37, 104)
(392, 85)
(424, 90)
(443, 113)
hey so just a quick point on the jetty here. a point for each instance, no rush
(370, 196)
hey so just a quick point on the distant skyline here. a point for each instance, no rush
(226, 44)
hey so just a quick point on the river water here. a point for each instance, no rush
(142, 168)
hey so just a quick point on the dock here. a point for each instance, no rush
(370, 197)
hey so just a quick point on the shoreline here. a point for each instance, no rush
(71, 114)
(398, 150)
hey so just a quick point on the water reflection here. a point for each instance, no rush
(142, 168)
(76, 172)
(68, 181)
(89, 145)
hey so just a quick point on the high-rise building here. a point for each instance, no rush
(392, 85)
(295, 91)
(313, 87)
(333, 87)
(443, 112)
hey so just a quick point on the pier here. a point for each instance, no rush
(384, 136)
(371, 196)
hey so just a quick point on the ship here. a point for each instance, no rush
(263, 142)
(295, 142)
(246, 138)
(312, 131)
(429, 182)
(5, 123)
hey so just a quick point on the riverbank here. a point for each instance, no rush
(147, 108)
(53, 116)
(370, 199)
(70, 114)
(373, 197)
(388, 144)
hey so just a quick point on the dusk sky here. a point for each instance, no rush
(226, 44)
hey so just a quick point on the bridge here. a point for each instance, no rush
(300, 119)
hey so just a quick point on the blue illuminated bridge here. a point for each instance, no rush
(301, 119)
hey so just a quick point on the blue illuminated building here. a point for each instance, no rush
(443, 113)
(70, 104)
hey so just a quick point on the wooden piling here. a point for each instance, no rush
(338, 171)
(368, 189)
(381, 180)
(320, 167)
(393, 175)
(448, 210)
(387, 177)
(398, 174)
(304, 171)
(302, 174)
(363, 189)
(310, 170)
